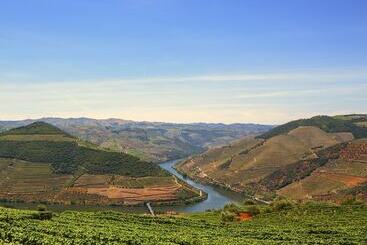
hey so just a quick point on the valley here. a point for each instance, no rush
(150, 141)
(313, 180)
(321, 158)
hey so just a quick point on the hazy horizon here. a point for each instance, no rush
(188, 122)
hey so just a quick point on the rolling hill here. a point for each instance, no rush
(303, 159)
(150, 141)
(347, 123)
(40, 162)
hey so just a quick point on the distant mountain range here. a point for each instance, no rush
(318, 158)
(150, 141)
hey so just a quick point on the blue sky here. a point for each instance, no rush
(183, 60)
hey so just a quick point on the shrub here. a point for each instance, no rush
(253, 210)
(267, 210)
(249, 202)
(351, 201)
(41, 207)
(282, 205)
(43, 215)
(232, 208)
(228, 216)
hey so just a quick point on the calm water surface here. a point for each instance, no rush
(217, 197)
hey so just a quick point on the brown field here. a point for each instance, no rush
(126, 189)
(311, 186)
(88, 180)
(116, 195)
(348, 180)
(129, 182)
(319, 184)
(139, 195)
(346, 172)
(343, 167)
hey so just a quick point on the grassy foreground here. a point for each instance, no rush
(310, 224)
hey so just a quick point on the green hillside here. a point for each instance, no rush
(309, 224)
(326, 123)
(41, 163)
(68, 156)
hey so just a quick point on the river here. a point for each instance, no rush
(217, 196)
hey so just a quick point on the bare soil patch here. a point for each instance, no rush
(245, 216)
(348, 180)
(136, 194)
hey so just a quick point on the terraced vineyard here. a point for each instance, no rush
(41, 163)
(307, 159)
(311, 224)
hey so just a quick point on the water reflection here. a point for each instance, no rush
(217, 197)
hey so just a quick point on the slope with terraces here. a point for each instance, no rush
(41, 163)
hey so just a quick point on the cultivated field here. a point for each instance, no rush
(29, 182)
(309, 224)
(252, 159)
(41, 163)
(348, 171)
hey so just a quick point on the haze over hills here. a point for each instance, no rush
(40, 162)
(318, 158)
(151, 141)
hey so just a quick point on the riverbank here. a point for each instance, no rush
(218, 196)
(209, 181)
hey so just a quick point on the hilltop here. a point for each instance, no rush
(303, 159)
(150, 141)
(347, 123)
(40, 128)
(40, 162)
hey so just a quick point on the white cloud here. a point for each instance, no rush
(265, 98)
(294, 76)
